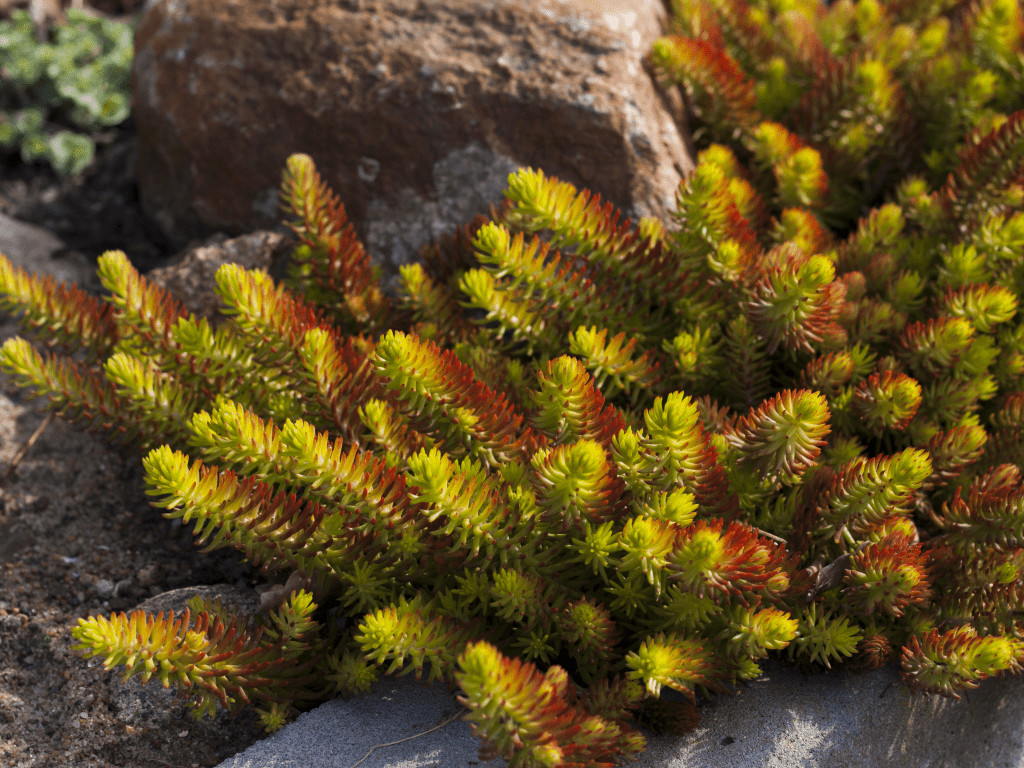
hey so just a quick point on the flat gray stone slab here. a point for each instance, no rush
(339, 733)
(786, 719)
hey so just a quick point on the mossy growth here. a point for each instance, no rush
(575, 460)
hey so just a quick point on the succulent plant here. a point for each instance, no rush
(575, 460)
(57, 96)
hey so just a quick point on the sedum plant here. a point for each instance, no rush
(56, 96)
(575, 462)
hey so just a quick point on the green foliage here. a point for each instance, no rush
(834, 104)
(57, 95)
(574, 461)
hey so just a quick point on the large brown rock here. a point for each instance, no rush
(414, 110)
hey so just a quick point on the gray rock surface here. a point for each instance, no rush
(786, 719)
(36, 250)
(415, 111)
(245, 600)
(339, 733)
(189, 276)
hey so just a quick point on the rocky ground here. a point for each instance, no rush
(77, 536)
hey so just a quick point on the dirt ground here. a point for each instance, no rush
(77, 536)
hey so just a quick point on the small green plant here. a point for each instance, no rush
(579, 461)
(56, 96)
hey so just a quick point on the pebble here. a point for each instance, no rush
(148, 575)
(104, 587)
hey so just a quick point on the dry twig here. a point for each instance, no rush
(407, 738)
(20, 455)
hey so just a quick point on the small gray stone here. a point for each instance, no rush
(189, 277)
(148, 575)
(140, 705)
(246, 600)
(104, 587)
(36, 250)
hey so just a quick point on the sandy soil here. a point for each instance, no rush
(77, 536)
